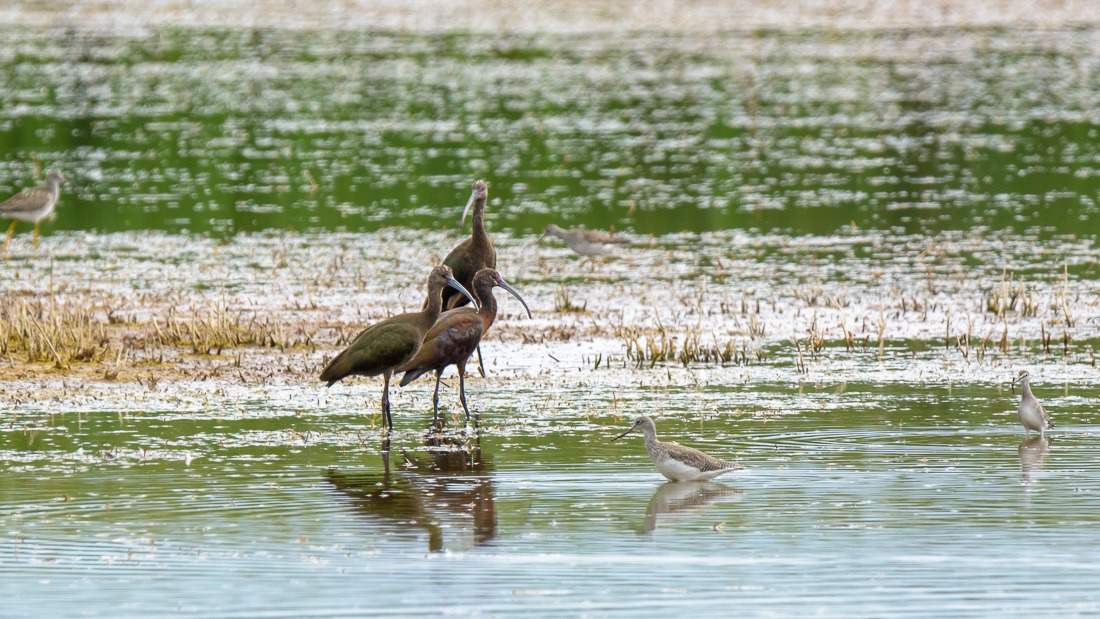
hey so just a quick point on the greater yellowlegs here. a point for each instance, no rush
(588, 243)
(1031, 412)
(677, 462)
(32, 205)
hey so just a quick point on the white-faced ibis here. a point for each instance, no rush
(677, 462)
(588, 243)
(1031, 412)
(32, 205)
(387, 345)
(473, 254)
(453, 338)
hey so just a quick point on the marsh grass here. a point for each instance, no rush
(217, 328)
(648, 348)
(563, 302)
(45, 331)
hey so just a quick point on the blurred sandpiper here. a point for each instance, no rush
(32, 205)
(588, 243)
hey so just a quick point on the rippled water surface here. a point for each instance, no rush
(841, 247)
(865, 500)
(185, 129)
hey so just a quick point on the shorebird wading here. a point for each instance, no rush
(1031, 412)
(588, 243)
(677, 462)
(32, 205)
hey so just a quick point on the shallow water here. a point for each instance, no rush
(873, 192)
(875, 482)
(874, 501)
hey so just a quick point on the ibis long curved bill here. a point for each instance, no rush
(453, 283)
(470, 203)
(503, 284)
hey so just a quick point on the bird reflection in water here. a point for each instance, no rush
(1033, 451)
(685, 498)
(447, 490)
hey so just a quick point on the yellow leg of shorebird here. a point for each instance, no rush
(11, 231)
(35, 237)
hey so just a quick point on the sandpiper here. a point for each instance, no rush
(1031, 412)
(32, 205)
(677, 462)
(588, 243)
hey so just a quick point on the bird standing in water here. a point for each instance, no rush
(453, 338)
(471, 255)
(32, 205)
(677, 462)
(1031, 412)
(389, 344)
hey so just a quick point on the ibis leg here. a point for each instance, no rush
(462, 389)
(480, 365)
(11, 231)
(387, 419)
(435, 400)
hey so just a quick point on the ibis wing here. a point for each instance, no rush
(465, 260)
(451, 339)
(381, 347)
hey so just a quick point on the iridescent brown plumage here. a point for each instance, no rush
(32, 205)
(473, 254)
(389, 344)
(455, 336)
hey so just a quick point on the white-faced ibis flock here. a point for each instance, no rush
(385, 347)
(444, 333)
(420, 342)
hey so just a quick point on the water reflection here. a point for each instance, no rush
(1033, 452)
(685, 498)
(447, 491)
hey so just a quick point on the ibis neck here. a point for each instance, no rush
(478, 234)
(488, 309)
(433, 305)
